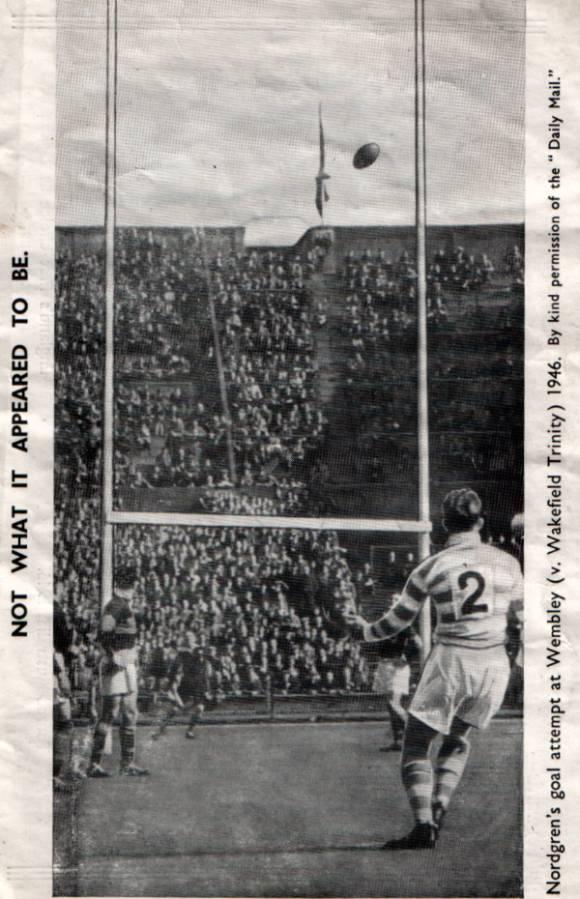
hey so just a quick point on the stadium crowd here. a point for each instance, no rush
(255, 332)
(381, 321)
(154, 317)
(253, 599)
(255, 329)
(381, 294)
(79, 336)
(266, 334)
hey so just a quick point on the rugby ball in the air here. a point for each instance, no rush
(366, 155)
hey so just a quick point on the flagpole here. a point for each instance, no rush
(421, 229)
(321, 140)
(322, 176)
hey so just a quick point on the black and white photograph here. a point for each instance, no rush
(289, 448)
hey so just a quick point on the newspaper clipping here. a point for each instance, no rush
(288, 445)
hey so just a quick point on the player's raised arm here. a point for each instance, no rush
(399, 616)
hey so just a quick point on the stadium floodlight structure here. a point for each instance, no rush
(111, 517)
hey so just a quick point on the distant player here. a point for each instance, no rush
(118, 639)
(187, 686)
(475, 588)
(392, 679)
(62, 719)
(517, 529)
(515, 646)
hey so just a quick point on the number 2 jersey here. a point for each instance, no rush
(475, 589)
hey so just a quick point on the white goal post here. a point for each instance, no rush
(111, 517)
(274, 522)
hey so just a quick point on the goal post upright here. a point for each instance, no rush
(109, 346)
(422, 384)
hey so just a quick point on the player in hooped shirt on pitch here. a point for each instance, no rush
(477, 590)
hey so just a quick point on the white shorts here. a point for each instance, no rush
(391, 678)
(463, 682)
(120, 681)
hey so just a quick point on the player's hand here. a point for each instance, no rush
(355, 624)
(351, 616)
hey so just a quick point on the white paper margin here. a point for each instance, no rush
(27, 165)
(27, 223)
(553, 44)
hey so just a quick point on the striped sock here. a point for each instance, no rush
(127, 735)
(62, 747)
(418, 782)
(99, 740)
(449, 771)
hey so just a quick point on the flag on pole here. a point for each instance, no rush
(321, 192)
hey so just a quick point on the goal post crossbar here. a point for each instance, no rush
(270, 522)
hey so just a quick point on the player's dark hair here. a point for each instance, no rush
(461, 510)
(125, 577)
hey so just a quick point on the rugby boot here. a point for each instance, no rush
(423, 836)
(96, 770)
(439, 812)
(60, 785)
(133, 771)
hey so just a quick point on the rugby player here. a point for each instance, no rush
(118, 673)
(188, 686)
(392, 679)
(476, 590)
(62, 719)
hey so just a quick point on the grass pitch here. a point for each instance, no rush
(287, 810)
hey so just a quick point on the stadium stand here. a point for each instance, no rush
(286, 386)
